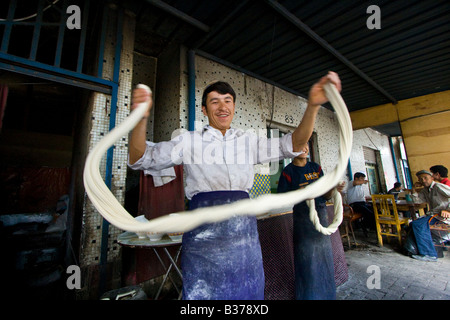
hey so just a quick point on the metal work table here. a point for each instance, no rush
(131, 240)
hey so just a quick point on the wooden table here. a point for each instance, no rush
(403, 205)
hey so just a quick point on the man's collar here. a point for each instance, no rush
(218, 134)
(431, 185)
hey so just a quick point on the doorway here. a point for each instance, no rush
(43, 144)
(372, 176)
(373, 164)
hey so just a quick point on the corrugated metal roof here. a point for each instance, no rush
(408, 57)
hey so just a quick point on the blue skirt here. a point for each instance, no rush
(222, 261)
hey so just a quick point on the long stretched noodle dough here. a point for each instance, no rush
(110, 208)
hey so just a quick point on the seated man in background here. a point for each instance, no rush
(356, 198)
(396, 190)
(437, 195)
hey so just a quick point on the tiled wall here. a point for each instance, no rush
(144, 71)
(261, 185)
(101, 106)
(168, 94)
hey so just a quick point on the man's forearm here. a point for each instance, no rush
(304, 130)
(137, 141)
(359, 182)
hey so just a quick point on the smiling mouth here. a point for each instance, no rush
(223, 115)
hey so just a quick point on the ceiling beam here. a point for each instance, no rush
(179, 14)
(319, 40)
(221, 23)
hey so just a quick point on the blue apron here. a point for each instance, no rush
(222, 261)
(313, 255)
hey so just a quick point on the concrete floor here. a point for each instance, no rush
(384, 273)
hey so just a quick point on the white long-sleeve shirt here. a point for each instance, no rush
(213, 161)
(356, 193)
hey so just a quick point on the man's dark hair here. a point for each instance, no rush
(220, 87)
(359, 175)
(397, 184)
(443, 171)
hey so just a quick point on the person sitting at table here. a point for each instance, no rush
(440, 174)
(356, 198)
(437, 195)
(396, 190)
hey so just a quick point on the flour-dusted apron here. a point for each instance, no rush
(313, 255)
(222, 261)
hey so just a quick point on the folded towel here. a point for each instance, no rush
(161, 177)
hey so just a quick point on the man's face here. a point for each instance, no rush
(219, 110)
(425, 179)
(436, 176)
